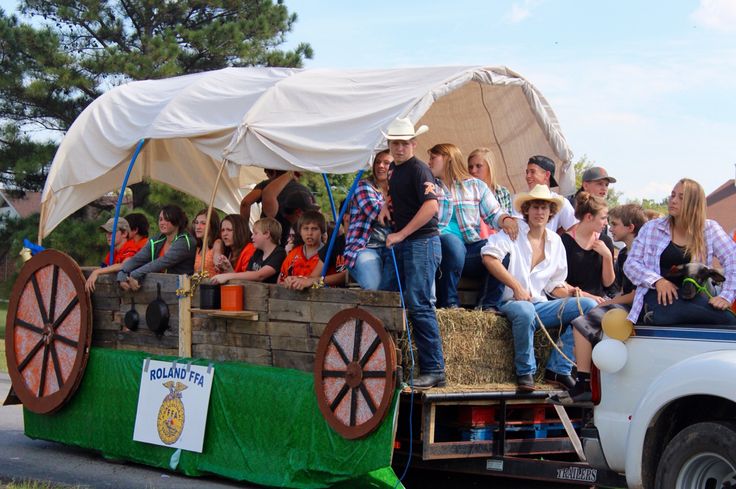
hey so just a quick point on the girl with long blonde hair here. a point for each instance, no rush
(480, 165)
(465, 203)
(684, 236)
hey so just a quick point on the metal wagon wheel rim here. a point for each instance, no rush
(354, 373)
(48, 331)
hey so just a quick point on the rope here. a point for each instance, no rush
(560, 312)
(704, 290)
(411, 373)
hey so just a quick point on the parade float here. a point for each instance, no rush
(296, 389)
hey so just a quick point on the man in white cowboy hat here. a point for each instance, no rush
(416, 242)
(537, 268)
(540, 170)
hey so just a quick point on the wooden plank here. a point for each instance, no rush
(284, 310)
(244, 315)
(262, 342)
(255, 356)
(391, 317)
(316, 329)
(104, 320)
(207, 323)
(288, 329)
(143, 337)
(322, 312)
(290, 343)
(105, 338)
(293, 359)
(185, 319)
(338, 294)
(105, 303)
(247, 327)
(255, 295)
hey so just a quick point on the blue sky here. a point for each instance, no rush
(643, 88)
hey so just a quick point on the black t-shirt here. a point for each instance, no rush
(411, 184)
(275, 259)
(291, 188)
(260, 186)
(622, 281)
(337, 260)
(672, 256)
(584, 267)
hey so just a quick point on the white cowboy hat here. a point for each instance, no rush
(403, 129)
(539, 192)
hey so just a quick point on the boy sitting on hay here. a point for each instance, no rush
(537, 267)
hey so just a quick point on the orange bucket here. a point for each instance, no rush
(231, 297)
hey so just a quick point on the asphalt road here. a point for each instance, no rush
(24, 459)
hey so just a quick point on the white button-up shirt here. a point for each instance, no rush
(549, 274)
(565, 217)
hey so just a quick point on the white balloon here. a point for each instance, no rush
(610, 355)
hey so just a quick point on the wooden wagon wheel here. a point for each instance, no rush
(354, 372)
(48, 331)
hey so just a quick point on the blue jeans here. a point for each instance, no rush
(694, 312)
(464, 259)
(373, 269)
(417, 260)
(524, 323)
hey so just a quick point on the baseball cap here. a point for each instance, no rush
(547, 164)
(122, 225)
(597, 173)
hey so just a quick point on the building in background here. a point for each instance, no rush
(721, 206)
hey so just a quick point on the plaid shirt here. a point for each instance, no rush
(364, 208)
(472, 201)
(642, 266)
(504, 199)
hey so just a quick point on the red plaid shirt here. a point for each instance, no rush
(364, 208)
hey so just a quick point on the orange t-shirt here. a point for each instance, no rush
(209, 262)
(126, 251)
(244, 258)
(298, 265)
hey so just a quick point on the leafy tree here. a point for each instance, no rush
(71, 51)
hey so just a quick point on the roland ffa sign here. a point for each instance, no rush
(172, 404)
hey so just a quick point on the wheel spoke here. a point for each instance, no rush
(367, 397)
(353, 405)
(22, 365)
(32, 327)
(333, 373)
(67, 310)
(39, 299)
(52, 302)
(57, 367)
(66, 341)
(339, 397)
(374, 374)
(356, 340)
(43, 370)
(340, 350)
(369, 352)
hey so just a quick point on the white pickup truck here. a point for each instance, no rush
(667, 420)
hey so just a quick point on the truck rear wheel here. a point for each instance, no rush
(702, 456)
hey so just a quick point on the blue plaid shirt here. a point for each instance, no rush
(472, 201)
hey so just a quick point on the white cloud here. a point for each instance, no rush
(650, 190)
(718, 15)
(520, 11)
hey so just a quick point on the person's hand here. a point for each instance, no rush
(223, 265)
(510, 227)
(719, 303)
(600, 247)
(384, 217)
(89, 285)
(598, 299)
(134, 285)
(521, 294)
(666, 292)
(220, 278)
(124, 285)
(394, 239)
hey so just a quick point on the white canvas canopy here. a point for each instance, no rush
(319, 120)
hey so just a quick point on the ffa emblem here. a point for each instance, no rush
(170, 421)
(429, 188)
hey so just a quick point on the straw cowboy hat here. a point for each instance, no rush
(539, 192)
(403, 129)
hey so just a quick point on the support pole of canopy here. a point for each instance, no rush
(209, 216)
(329, 194)
(120, 199)
(338, 220)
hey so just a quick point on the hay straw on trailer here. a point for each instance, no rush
(479, 348)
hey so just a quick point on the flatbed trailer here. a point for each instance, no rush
(494, 433)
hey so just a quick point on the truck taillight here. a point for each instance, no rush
(595, 384)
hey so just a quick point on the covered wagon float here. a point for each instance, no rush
(299, 389)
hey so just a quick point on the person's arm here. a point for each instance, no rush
(269, 197)
(493, 214)
(636, 267)
(724, 249)
(567, 216)
(251, 198)
(138, 260)
(426, 212)
(495, 267)
(89, 285)
(608, 274)
(256, 276)
(181, 250)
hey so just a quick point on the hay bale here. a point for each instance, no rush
(478, 348)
